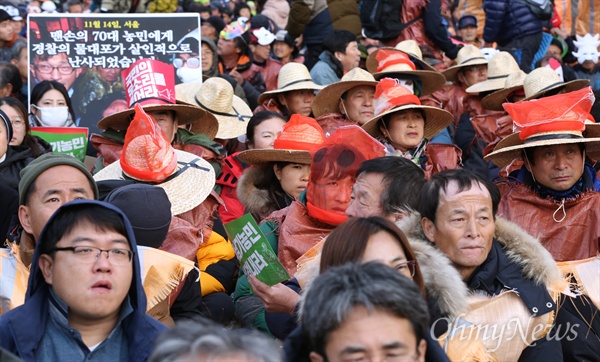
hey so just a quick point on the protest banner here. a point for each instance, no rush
(253, 251)
(87, 52)
(67, 140)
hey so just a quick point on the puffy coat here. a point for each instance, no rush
(506, 20)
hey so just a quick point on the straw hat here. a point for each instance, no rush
(392, 97)
(409, 47)
(292, 76)
(553, 120)
(513, 83)
(467, 56)
(298, 136)
(328, 99)
(499, 68)
(216, 96)
(187, 188)
(159, 94)
(393, 63)
(543, 80)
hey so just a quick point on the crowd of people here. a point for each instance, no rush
(430, 187)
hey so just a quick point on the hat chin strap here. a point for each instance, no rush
(531, 169)
(345, 110)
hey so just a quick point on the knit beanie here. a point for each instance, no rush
(45, 162)
(7, 125)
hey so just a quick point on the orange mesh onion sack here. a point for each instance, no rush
(147, 154)
(562, 113)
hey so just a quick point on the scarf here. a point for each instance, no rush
(415, 154)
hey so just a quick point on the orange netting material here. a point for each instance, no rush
(390, 93)
(564, 113)
(299, 133)
(147, 154)
(389, 57)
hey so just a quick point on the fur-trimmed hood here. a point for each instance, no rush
(260, 202)
(443, 281)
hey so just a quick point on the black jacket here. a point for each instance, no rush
(17, 157)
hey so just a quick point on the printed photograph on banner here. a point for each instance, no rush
(252, 249)
(86, 53)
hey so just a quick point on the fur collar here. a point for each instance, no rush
(255, 200)
(444, 283)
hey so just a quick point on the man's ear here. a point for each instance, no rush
(45, 264)
(421, 348)
(341, 107)
(315, 357)
(428, 228)
(24, 219)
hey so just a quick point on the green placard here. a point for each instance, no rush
(68, 140)
(254, 252)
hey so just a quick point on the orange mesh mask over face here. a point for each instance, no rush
(147, 154)
(558, 116)
(333, 172)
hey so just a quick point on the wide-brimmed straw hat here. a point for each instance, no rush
(328, 99)
(216, 96)
(292, 76)
(393, 63)
(152, 84)
(542, 81)
(499, 68)
(149, 158)
(392, 97)
(554, 120)
(297, 138)
(409, 47)
(514, 82)
(467, 56)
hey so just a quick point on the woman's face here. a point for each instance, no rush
(293, 178)
(405, 129)
(384, 248)
(51, 98)
(18, 124)
(266, 132)
(3, 139)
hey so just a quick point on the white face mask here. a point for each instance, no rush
(54, 116)
(188, 75)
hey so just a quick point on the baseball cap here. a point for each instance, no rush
(467, 20)
(13, 12)
(216, 22)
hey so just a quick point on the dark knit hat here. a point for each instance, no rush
(148, 209)
(4, 16)
(45, 162)
(216, 22)
(7, 125)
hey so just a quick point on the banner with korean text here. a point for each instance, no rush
(253, 251)
(87, 52)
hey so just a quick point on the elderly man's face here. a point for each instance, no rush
(464, 226)
(167, 121)
(372, 336)
(358, 104)
(52, 188)
(366, 196)
(557, 167)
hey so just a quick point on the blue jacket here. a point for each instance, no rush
(22, 329)
(506, 20)
(328, 69)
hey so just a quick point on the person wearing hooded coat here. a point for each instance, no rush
(12, 158)
(23, 329)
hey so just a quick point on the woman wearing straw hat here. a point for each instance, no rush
(555, 195)
(294, 230)
(294, 94)
(348, 102)
(404, 126)
(280, 174)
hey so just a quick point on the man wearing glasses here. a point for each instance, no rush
(55, 67)
(85, 299)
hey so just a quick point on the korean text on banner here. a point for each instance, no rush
(68, 140)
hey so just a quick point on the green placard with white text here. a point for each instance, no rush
(254, 252)
(68, 140)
